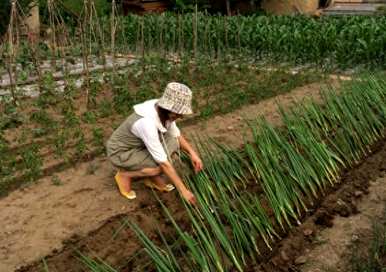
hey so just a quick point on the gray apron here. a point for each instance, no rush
(128, 152)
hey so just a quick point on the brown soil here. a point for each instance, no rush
(85, 210)
(320, 241)
(334, 248)
(359, 190)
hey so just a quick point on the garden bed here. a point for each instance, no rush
(343, 206)
(118, 245)
(270, 185)
(55, 131)
(80, 199)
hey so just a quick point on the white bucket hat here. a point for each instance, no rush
(177, 98)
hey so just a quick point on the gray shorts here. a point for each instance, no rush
(139, 158)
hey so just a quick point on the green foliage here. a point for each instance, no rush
(95, 265)
(232, 83)
(9, 116)
(3, 144)
(32, 162)
(122, 99)
(56, 180)
(80, 145)
(105, 109)
(42, 117)
(89, 117)
(24, 57)
(342, 41)
(60, 142)
(103, 7)
(94, 89)
(70, 118)
(70, 10)
(374, 259)
(189, 5)
(47, 94)
(12, 119)
(97, 134)
(39, 132)
(293, 165)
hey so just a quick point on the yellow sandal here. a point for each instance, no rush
(167, 188)
(129, 195)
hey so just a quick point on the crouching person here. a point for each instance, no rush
(142, 146)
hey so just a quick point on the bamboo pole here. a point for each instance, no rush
(206, 40)
(98, 33)
(228, 7)
(113, 31)
(239, 28)
(210, 47)
(138, 38)
(63, 40)
(179, 38)
(33, 38)
(11, 55)
(36, 64)
(84, 46)
(85, 64)
(218, 42)
(195, 34)
(161, 36)
(226, 33)
(142, 46)
(174, 39)
(53, 47)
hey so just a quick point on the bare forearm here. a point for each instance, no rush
(195, 158)
(186, 146)
(171, 173)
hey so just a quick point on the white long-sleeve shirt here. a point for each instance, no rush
(147, 129)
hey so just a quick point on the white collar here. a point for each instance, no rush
(147, 109)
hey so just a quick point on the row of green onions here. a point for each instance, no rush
(293, 164)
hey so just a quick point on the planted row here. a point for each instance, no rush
(293, 165)
(344, 41)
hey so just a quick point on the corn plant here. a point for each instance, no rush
(344, 41)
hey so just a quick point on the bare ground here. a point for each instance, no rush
(40, 219)
(332, 248)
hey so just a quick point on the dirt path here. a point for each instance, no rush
(330, 253)
(38, 218)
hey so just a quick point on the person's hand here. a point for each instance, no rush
(197, 163)
(189, 197)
